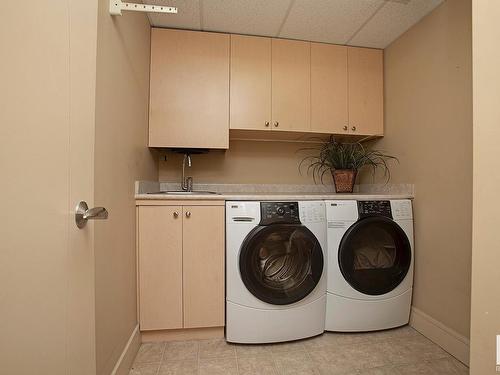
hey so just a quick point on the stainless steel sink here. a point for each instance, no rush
(183, 192)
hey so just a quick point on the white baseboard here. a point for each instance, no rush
(450, 340)
(127, 357)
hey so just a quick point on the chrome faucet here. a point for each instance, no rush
(187, 182)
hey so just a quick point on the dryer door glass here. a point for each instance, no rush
(375, 255)
(281, 263)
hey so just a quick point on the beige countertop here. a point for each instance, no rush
(266, 192)
(252, 196)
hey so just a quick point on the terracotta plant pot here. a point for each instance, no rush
(344, 180)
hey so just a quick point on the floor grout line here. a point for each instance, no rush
(161, 358)
(198, 360)
(237, 365)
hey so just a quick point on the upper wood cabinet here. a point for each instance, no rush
(329, 108)
(270, 84)
(203, 84)
(366, 91)
(291, 85)
(189, 98)
(250, 79)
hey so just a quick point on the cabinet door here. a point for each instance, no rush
(250, 104)
(189, 98)
(366, 91)
(291, 85)
(329, 111)
(203, 266)
(160, 267)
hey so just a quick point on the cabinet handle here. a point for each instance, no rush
(345, 127)
(267, 124)
(276, 124)
(188, 214)
(353, 128)
(176, 214)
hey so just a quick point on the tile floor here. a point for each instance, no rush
(398, 351)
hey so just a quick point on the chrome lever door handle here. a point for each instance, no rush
(84, 214)
(96, 213)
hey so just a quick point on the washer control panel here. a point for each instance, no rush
(312, 212)
(371, 208)
(279, 213)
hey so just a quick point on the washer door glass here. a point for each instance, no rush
(374, 255)
(281, 263)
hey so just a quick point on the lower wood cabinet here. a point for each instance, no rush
(203, 266)
(180, 266)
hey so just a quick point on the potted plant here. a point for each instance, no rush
(344, 160)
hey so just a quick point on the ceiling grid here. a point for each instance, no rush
(202, 14)
(285, 18)
(364, 23)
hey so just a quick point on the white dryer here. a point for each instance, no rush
(275, 278)
(370, 264)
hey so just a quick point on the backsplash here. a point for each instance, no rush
(253, 188)
(246, 162)
(250, 166)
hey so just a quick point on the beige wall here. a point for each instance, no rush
(245, 162)
(485, 245)
(428, 105)
(121, 157)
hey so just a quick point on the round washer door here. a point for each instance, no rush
(374, 255)
(281, 263)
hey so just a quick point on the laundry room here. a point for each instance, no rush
(256, 187)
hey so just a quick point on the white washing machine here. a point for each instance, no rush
(275, 271)
(370, 264)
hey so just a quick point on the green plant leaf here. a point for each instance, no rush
(331, 155)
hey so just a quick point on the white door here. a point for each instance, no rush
(47, 99)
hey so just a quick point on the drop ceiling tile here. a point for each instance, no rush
(254, 17)
(392, 21)
(188, 16)
(331, 21)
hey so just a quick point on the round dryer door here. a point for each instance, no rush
(281, 263)
(375, 255)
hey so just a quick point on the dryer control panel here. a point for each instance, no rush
(279, 213)
(371, 208)
(401, 209)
